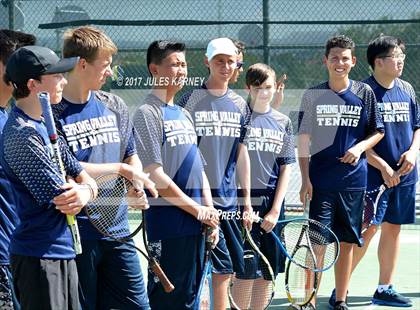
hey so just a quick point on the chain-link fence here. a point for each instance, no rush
(288, 34)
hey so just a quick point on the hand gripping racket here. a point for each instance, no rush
(310, 235)
(372, 199)
(112, 215)
(44, 99)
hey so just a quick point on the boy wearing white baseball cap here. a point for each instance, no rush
(220, 117)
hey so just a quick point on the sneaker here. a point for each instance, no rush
(391, 298)
(331, 301)
(341, 306)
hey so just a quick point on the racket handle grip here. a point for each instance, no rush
(209, 240)
(157, 270)
(72, 223)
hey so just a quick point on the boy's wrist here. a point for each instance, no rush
(91, 191)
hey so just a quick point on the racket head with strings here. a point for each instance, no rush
(318, 237)
(300, 283)
(110, 213)
(253, 293)
(204, 299)
(372, 199)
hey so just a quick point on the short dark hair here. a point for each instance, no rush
(340, 41)
(20, 90)
(159, 50)
(258, 73)
(11, 40)
(380, 46)
(240, 46)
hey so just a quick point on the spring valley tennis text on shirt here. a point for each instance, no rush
(179, 132)
(395, 112)
(91, 132)
(338, 115)
(218, 123)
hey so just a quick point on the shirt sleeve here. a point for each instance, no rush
(246, 122)
(149, 136)
(416, 110)
(287, 155)
(71, 164)
(374, 118)
(130, 150)
(305, 118)
(29, 159)
(187, 100)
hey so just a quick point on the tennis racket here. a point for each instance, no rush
(204, 296)
(112, 215)
(372, 199)
(308, 233)
(44, 99)
(300, 283)
(248, 292)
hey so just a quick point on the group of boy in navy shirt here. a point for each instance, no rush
(197, 151)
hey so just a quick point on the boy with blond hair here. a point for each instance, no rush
(110, 274)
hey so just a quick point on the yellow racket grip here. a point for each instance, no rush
(74, 228)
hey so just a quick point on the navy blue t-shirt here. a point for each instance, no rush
(336, 122)
(8, 215)
(166, 137)
(220, 124)
(97, 131)
(401, 115)
(27, 160)
(269, 140)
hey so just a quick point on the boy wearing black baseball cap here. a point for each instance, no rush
(41, 247)
(10, 41)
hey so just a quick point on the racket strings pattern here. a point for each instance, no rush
(317, 238)
(255, 293)
(301, 283)
(205, 294)
(110, 215)
(109, 212)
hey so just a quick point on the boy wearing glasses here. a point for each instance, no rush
(240, 46)
(338, 122)
(392, 161)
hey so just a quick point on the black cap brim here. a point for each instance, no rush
(64, 65)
